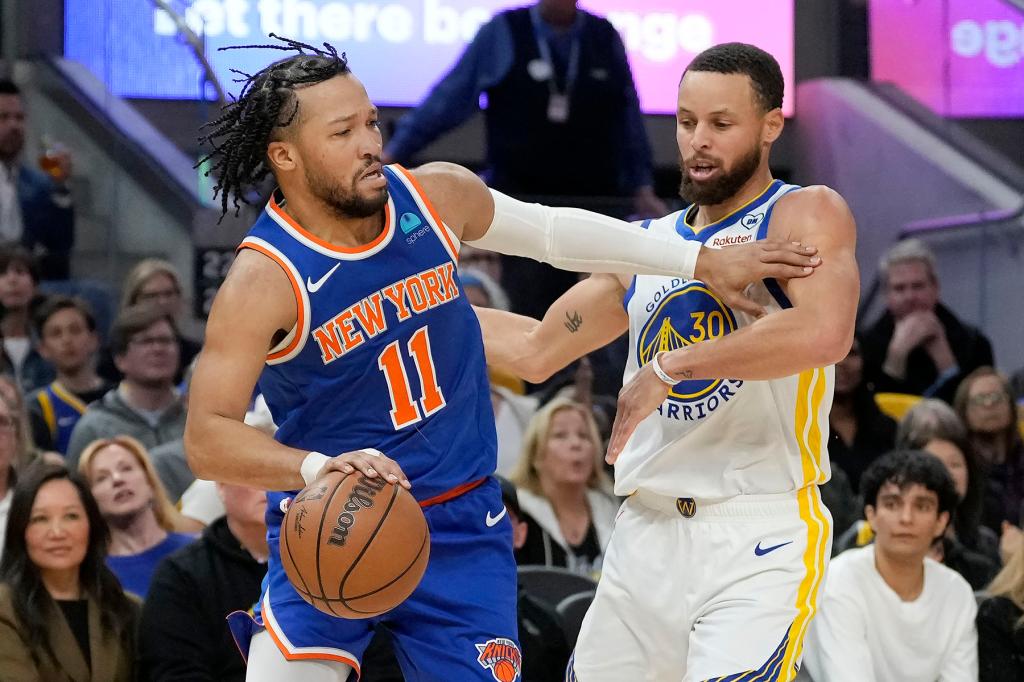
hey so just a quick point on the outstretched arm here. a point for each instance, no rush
(585, 318)
(582, 241)
(816, 331)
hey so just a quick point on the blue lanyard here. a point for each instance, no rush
(573, 68)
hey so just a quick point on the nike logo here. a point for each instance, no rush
(492, 520)
(761, 551)
(314, 287)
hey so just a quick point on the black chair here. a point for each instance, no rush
(571, 610)
(552, 585)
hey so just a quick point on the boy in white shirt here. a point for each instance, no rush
(889, 612)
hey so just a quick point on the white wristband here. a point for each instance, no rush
(662, 374)
(312, 465)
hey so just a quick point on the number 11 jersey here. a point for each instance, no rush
(386, 352)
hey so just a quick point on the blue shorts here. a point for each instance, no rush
(459, 623)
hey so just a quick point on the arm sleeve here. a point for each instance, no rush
(961, 664)
(837, 648)
(636, 150)
(455, 98)
(582, 241)
(174, 640)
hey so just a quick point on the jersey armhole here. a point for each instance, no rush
(770, 283)
(448, 239)
(293, 343)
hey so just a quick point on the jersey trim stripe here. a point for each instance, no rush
(326, 248)
(448, 238)
(49, 416)
(684, 218)
(294, 653)
(815, 557)
(295, 341)
(71, 399)
(453, 493)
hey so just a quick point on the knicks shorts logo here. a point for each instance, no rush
(685, 316)
(501, 656)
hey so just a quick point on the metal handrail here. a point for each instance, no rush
(963, 221)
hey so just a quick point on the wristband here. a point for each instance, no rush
(312, 465)
(658, 370)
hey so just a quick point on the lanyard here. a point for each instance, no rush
(573, 67)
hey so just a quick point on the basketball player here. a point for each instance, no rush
(344, 303)
(717, 557)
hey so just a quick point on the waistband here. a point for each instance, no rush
(740, 506)
(453, 493)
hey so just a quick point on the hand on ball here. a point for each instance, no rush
(371, 463)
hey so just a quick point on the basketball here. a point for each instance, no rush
(354, 547)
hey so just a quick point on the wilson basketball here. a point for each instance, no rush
(354, 547)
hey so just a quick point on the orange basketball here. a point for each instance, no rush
(504, 671)
(353, 546)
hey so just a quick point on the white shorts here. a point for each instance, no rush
(693, 591)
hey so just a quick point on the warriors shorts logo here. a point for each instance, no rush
(501, 656)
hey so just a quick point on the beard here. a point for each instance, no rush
(346, 203)
(722, 188)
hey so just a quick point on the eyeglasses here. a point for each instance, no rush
(150, 341)
(162, 295)
(988, 399)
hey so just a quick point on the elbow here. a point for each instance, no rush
(832, 344)
(195, 454)
(536, 369)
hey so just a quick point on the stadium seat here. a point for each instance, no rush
(896, 405)
(572, 609)
(552, 585)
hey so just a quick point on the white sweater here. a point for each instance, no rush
(865, 633)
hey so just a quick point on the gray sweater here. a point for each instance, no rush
(112, 416)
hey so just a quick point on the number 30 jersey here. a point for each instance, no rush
(713, 439)
(387, 352)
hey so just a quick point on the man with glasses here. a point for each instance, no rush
(919, 346)
(146, 404)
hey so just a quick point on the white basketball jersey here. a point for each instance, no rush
(714, 439)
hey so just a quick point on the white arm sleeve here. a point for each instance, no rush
(582, 241)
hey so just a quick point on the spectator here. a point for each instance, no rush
(18, 297)
(143, 523)
(66, 330)
(563, 490)
(919, 346)
(145, 405)
(858, 431)
(12, 459)
(156, 283)
(984, 403)
(933, 426)
(35, 207)
(541, 637)
(557, 80)
(183, 633)
(887, 608)
(1001, 625)
(63, 615)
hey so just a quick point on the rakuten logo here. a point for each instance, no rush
(1001, 41)
(730, 241)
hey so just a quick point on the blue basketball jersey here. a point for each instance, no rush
(386, 352)
(61, 410)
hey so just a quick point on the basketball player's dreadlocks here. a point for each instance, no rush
(239, 137)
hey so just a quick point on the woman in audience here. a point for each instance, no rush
(984, 402)
(563, 490)
(63, 615)
(858, 431)
(154, 281)
(144, 525)
(18, 298)
(12, 459)
(1001, 625)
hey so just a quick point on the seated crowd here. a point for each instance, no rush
(117, 564)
